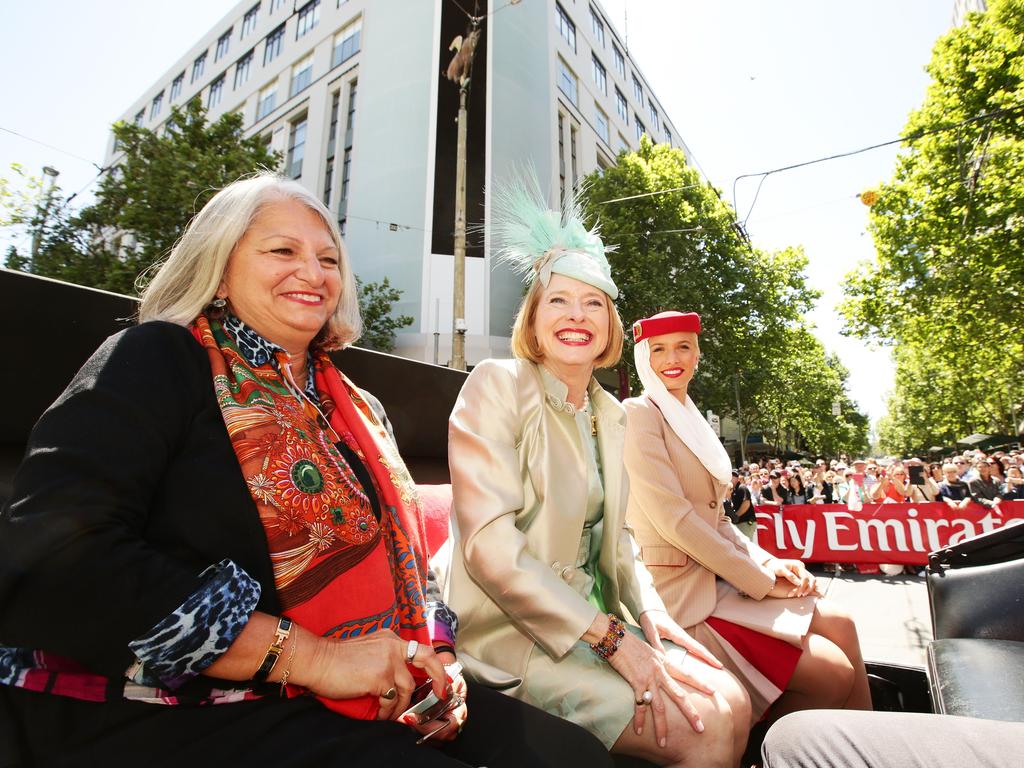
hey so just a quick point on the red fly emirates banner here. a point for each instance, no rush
(879, 533)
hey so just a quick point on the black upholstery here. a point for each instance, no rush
(977, 678)
(998, 546)
(976, 595)
(986, 601)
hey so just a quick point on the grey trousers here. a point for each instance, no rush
(844, 739)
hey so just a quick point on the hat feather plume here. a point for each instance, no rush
(524, 228)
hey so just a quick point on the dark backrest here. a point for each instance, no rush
(976, 587)
(50, 328)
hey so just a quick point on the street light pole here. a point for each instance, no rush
(459, 289)
(43, 208)
(739, 418)
(460, 71)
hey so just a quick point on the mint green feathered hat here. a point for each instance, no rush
(537, 241)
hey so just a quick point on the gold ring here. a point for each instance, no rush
(389, 694)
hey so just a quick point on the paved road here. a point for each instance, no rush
(891, 614)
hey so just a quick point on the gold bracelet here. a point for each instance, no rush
(284, 628)
(288, 669)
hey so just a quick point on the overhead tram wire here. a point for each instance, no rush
(1019, 107)
(50, 146)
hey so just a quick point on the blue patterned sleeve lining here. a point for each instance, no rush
(442, 623)
(202, 628)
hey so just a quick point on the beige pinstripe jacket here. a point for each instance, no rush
(519, 483)
(675, 510)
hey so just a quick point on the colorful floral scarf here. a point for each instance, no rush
(339, 571)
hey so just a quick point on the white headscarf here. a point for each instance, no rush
(686, 421)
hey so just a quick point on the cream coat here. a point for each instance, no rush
(519, 483)
(675, 510)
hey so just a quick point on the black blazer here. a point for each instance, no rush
(129, 489)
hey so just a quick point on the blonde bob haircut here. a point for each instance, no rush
(187, 281)
(524, 340)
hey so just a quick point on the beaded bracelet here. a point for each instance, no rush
(612, 639)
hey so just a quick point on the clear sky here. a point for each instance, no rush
(751, 85)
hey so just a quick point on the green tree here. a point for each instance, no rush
(949, 233)
(144, 202)
(682, 250)
(379, 325)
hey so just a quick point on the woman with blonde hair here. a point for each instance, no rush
(545, 576)
(212, 513)
(761, 615)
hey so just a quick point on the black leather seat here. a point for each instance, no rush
(972, 677)
(976, 661)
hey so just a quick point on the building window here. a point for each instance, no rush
(668, 137)
(216, 93)
(622, 146)
(242, 67)
(600, 75)
(346, 173)
(620, 61)
(140, 117)
(565, 26)
(223, 43)
(655, 123)
(567, 82)
(597, 26)
(267, 101)
(332, 135)
(561, 157)
(640, 130)
(350, 119)
(572, 153)
(638, 91)
(176, 86)
(296, 147)
(601, 125)
(157, 103)
(275, 4)
(621, 107)
(249, 20)
(302, 76)
(309, 17)
(346, 43)
(198, 66)
(275, 41)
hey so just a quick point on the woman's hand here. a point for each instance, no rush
(448, 726)
(648, 671)
(792, 579)
(658, 626)
(369, 665)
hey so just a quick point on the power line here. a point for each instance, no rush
(48, 146)
(649, 194)
(913, 137)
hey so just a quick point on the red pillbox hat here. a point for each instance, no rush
(665, 322)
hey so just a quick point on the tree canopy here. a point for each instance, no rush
(946, 287)
(680, 249)
(160, 181)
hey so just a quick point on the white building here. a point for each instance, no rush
(962, 7)
(352, 92)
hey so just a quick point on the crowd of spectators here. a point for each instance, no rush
(986, 479)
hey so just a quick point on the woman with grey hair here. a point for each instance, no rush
(211, 513)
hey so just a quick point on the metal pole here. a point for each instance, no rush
(437, 328)
(739, 418)
(459, 289)
(43, 209)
